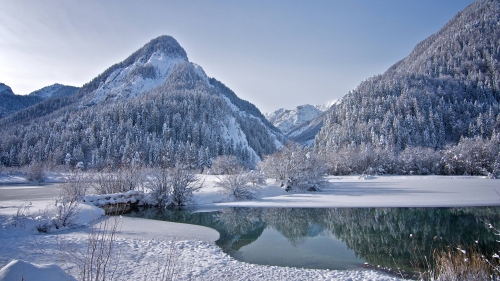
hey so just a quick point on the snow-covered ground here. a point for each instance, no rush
(143, 244)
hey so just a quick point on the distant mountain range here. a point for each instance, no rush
(153, 108)
(12, 103)
(299, 124)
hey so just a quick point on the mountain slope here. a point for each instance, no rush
(153, 108)
(446, 89)
(55, 90)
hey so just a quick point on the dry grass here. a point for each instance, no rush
(457, 264)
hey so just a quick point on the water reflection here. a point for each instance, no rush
(390, 237)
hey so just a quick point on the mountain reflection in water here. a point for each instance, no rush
(390, 237)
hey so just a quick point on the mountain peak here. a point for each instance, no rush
(4, 89)
(144, 70)
(163, 44)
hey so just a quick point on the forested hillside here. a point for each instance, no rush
(445, 92)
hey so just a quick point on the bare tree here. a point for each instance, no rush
(76, 186)
(226, 165)
(121, 180)
(173, 187)
(100, 259)
(238, 185)
(158, 183)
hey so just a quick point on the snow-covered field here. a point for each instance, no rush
(144, 244)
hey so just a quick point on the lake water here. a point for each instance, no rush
(340, 238)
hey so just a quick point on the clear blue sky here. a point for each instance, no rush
(272, 53)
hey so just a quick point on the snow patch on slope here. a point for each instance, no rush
(140, 77)
(324, 107)
(233, 132)
(235, 109)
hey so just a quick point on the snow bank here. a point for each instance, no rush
(21, 270)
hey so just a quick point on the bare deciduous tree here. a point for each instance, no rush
(226, 165)
(238, 185)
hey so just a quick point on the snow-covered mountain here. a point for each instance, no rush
(5, 90)
(145, 70)
(155, 107)
(294, 122)
(55, 90)
(287, 119)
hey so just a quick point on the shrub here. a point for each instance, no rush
(173, 187)
(36, 172)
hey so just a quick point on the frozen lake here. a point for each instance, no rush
(340, 238)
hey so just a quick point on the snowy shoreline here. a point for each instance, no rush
(142, 242)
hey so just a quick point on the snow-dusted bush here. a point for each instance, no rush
(473, 156)
(239, 185)
(173, 187)
(66, 213)
(419, 161)
(22, 213)
(60, 214)
(36, 172)
(295, 167)
(183, 183)
(256, 178)
(121, 180)
(159, 187)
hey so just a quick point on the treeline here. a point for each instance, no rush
(471, 156)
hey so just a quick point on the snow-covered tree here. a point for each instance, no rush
(295, 167)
